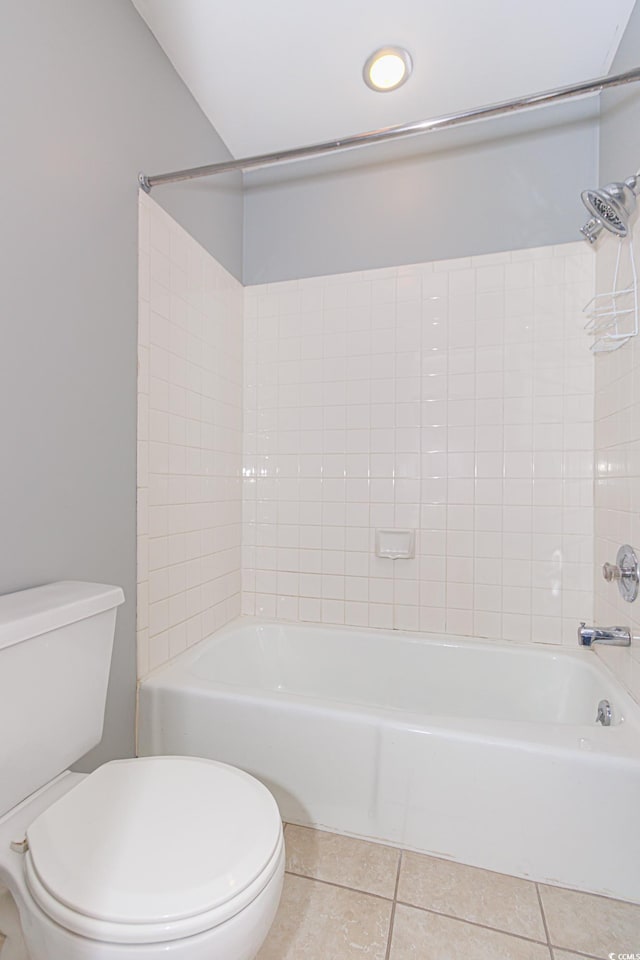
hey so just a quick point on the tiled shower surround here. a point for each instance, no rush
(617, 486)
(189, 440)
(454, 398)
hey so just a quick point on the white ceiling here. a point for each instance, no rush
(285, 73)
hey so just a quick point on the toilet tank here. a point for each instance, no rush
(55, 653)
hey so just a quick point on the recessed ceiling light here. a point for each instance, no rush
(387, 69)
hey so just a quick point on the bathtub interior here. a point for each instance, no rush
(450, 677)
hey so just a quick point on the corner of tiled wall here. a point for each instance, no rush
(189, 440)
(455, 398)
(617, 456)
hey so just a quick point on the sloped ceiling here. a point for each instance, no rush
(286, 73)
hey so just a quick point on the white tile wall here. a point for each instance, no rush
(453, 397)
(617, 488)
(189, 440)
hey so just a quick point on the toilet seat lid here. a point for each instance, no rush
(155, 839)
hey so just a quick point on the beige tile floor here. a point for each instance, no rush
(347, 899)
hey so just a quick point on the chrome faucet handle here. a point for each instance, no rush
(611, 571)
(624, 572)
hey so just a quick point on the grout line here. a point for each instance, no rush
(544, 917)
(393, 907)
(473, 923)
(394, 902)
(554, 946)
(400, 858)
(342, 886)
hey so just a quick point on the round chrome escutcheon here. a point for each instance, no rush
(628, 565)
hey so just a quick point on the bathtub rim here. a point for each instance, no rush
(619, 742)
(587, 656)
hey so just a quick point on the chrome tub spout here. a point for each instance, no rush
(613, 636)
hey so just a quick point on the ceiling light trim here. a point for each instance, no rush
(399, 54)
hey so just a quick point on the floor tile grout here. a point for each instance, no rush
(393, 908)
(544, 918)
(473, 923)
(394, 900)
(554, 946)
(341, 886)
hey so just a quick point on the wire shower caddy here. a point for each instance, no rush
(612, 317)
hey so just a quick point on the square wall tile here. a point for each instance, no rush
(190, 441)
(438, 397)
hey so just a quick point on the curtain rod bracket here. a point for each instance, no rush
(143, 181)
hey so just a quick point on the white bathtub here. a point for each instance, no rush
(485, 753)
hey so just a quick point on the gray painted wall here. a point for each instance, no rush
(502, 185)
(89, 99)
(620, 119)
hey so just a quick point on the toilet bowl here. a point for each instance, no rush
(176, 857)
(158, 857)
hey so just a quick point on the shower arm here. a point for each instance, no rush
(402, 131)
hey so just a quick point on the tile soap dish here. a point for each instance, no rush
(396, 544)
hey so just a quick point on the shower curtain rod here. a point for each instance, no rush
(393, 133)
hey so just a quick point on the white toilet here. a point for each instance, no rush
(174, 857)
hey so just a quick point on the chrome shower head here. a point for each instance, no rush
(611, 208)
